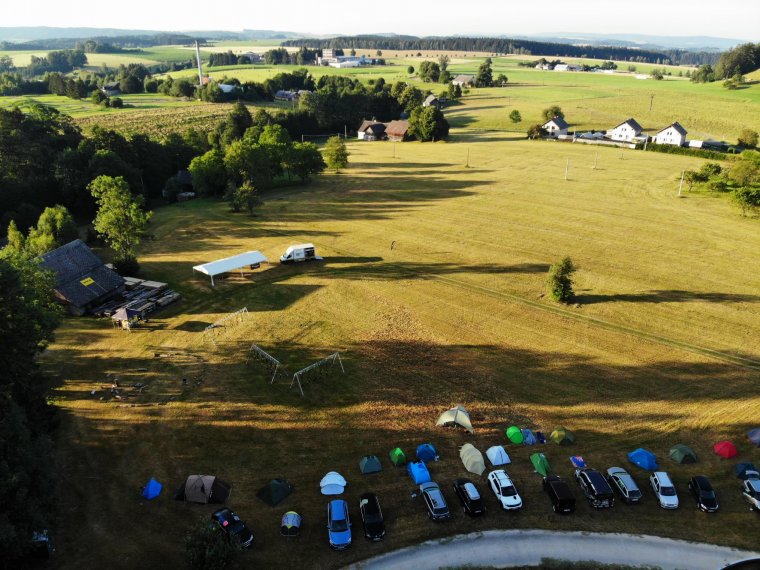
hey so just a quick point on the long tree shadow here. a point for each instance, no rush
(667, 296)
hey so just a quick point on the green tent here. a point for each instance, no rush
(540, 464)
(515, 434)
(275, 492)
(681, 453)
(562, 436)
(370, 464)
(397, 457)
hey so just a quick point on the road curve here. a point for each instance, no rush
(505, 548)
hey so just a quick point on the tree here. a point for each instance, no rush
(560, 281)
(428, 124)
(692, 177)
(410, 98)
(454, 91)
(244, 197)
(429, 71)
(55, 228)
(536, 131)
(410, 70)
(207, 547)
(120, 218)
(552, 112)
(632, 68)
(251, 162)
(744, 173)
(16, 239)
(657, 74)
(748, 138)
(209, 174)
(305, 160)
(703, 74)
(484, 78)
(501, 80)
(747, 198)
(335, 153)
(515, 116)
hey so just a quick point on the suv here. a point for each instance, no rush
(751, 492)
(338, 524)
(622, 482)
(372, 517)
(664, 489)
(469, 496)
(504, 489)
(231, 524)
(562, 497)
(704, 494)
(437, 508)
(595, 487)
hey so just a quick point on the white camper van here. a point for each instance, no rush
(302, 252)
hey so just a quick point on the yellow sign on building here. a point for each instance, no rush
(87, 282)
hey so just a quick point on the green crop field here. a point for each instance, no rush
(433, 290)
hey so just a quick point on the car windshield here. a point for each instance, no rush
(707, 494)
(667, 491)
(339, 526)
(508, 491)
(634, 493)
(371, 518)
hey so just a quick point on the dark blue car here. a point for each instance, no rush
(338, 524)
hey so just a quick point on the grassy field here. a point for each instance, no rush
(433, 290)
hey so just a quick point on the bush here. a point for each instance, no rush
(127, 267)
(207, 547)
(560, 281)
(117, 103)
(673, 149)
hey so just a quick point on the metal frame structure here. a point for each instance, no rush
(262, 354)
(299, 376)
(236, 316)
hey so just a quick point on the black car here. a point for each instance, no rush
(622, 482)
(469, 496)
(704, 494)
(372, 517)
(231, 524)
(437, 509)
(562, 497)
(595, 487)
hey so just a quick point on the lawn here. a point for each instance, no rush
(433, 290)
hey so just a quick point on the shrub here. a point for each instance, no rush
(207, 547)
(127, 267)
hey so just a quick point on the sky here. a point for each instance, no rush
(727, 18)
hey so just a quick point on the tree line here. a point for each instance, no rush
(117, 42)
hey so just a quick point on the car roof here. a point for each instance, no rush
(471, 491)
(501, 475)
(436, 497)
(617, 471)
(429, 486)
(702, 481)
(754, 484)
(662, 477)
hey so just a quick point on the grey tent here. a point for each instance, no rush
(456, 416)
(370, 464)
(203, 489)
(275, 492)
(472, 459)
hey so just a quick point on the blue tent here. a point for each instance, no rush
(152, 489)
(426, 452)
(742, 468)
(578, 461)
(754, 436)
(643, 458)
(528, 437)
(418, 472)
(540, 437)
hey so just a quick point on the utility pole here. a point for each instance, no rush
(200, 65)
(680, 187)
(345, 132)
(468, 158)
(394, 149)
(651, 101)
(567, 168)
(596, 159)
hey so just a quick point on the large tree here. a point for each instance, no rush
(55, 228)
(560, 280)
(335, 153)
(484, 78)
(428, 124)
(209, 173)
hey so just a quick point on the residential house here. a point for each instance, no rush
(675, 134)
(627, 131)
(555, 127)
(82, 280)
(253, 57)
(397, 130)
(283, 95)
(371, 131)
(111, 89)
(431, 101)
(464, 80)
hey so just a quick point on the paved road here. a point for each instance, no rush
(504, 548)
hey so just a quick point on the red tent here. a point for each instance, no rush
(725, 449)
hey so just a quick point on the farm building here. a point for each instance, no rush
(371, 131)
(464, 80)
(397, 130)
(674, 134)
(556, 126)
(431, 101)
(566, 67)
(626, 131)
(82, 280)
(111, 89)
(252, 57)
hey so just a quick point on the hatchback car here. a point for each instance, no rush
(664, 489)
(751, 492)
(469, 496)
(622, 482)
(704, 493)
(595, 487)
(505, 490)
(372, 517)
(232, 526)
(437, 509)
(338, 524)
(559, 492)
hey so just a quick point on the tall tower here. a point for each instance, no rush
(200, 65)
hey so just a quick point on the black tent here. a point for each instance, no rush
(275, 492)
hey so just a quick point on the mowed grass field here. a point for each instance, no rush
(432, 289)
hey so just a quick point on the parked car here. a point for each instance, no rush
(704, 493)
(338, 524)
(231, 524)
(751, 492)
(435, 502)
(505, 490)
(622, 482)
(469, 496)
(372, 517)
(664, 489)
(595, 487)
(562, 497)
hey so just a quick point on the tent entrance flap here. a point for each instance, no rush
(251, 259)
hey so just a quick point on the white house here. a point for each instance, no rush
(674, 134)
(566, 67)
(626, 131)
(556, 126)
(463, 80)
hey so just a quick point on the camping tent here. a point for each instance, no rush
(426, 452)
(332, 484)
(125, 314)
(398, 458)
(514, 434)
(540, 464)
(754, 436)
(418, 472)
(643, 458)
(528, 437)
(562, 436)
(497, 455)
(248, 259)
(456, 416)
(681, 453)
(472, 459)
(275, 492)
(152, 489)
(203, 489)
(370, 464)
(578, 461)
(290, 524)
(725, 449)
(746, 471)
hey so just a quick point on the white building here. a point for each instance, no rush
(674, 134)
(555, 127)
(627, 131)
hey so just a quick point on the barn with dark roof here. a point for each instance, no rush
(82, 281)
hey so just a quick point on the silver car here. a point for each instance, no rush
(751, 492)
(624, 485)
(664, 489)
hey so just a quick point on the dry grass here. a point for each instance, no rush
(453, 313)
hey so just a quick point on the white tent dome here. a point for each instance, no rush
(332, 484)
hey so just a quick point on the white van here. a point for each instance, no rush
(302, 252)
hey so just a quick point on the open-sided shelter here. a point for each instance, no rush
(497, 455)
(203, 489)
(540, 464)
(275, 492)
(562, 436)
(426, 452)
(472, 459)
(398, 458)
(725, 449)
(418, 471)
(456, 416)
(332, 484)
(681, 453)
(514, 434)
(249, 259)
(370, 464)
(643, 458)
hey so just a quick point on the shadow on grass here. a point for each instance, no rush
(667, 296)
